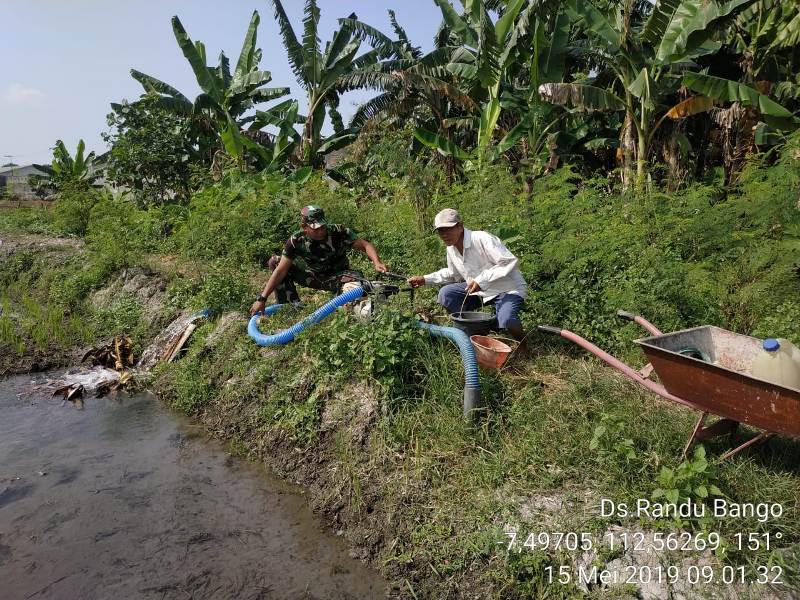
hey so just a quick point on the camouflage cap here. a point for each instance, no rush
(313, 216)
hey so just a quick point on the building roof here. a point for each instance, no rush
(20, 170)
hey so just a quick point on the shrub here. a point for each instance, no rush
(382, 349)
(224, 287)
(73, 209)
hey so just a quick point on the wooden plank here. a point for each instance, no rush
(181, 341)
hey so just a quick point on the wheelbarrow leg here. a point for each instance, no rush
(646, 371)
(759, 439)
(701, 432)
(692, 438)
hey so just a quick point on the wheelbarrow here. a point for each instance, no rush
(707, 369)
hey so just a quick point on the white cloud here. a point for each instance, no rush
(18, 93)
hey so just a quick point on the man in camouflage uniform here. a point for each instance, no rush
(313, 257)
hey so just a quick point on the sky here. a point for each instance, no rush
(62, 62)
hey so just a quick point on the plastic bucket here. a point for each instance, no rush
(491, 353)
(474, 322)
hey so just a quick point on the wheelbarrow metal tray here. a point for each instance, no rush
(724, 386)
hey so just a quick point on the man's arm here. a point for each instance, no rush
(278, 275)
(368, 249)
(445, 275)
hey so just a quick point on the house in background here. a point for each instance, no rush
(14, 182)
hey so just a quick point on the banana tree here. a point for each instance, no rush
(320, 73)
(488, 61)
(646, 61)
(414, 87)
(753, 118)
(766, 36)
(226, 96)
(283, 145)
(66, 171)
(763, 40)
(486, 51)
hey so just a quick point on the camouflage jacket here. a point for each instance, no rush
(324, 258)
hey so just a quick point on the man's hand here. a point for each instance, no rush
(416, 281)
(380, 267)
(258, 306)
(472, 287)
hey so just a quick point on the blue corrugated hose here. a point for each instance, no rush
(472, 386)
(287, 335)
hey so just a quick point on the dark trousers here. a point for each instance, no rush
(507, 306)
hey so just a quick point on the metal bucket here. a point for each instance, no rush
(474, 322)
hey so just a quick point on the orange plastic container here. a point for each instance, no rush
(491, 353)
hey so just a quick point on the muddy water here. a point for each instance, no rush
(122, 500)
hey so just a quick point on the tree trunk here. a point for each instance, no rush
(737, 123)
(672, 155)
(641, 160)
(627, 149)
(308, 142)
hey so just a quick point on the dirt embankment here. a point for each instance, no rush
(54, 251)
(346, 424)
(347, 417)
(12, 243)
(345, 481)
(146, 287)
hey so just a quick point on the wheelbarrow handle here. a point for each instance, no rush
(549, 329)
(639, 320)
(620, 366)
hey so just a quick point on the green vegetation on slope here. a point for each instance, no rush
(370, 415)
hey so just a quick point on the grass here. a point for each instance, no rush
(446, 490)
(33, 319)
(369, 415)
(441, 492)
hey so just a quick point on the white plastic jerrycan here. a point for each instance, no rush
(778, 362)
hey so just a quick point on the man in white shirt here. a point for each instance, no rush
(486, 272)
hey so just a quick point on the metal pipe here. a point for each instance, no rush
(647, 325)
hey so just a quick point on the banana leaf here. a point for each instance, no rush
(300, 176)
(345, 138)
(440, 144)
(597, 143)
(294, 50)
(693, 19)
(247, 62)
(642, 88)
(580, 97)
(727, 90)
(457, 24)
(659, 20)
(690, 106)
(764, 135)
(553, 67)
(590, 18)
(195, 54)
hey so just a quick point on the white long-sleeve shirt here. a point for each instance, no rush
(487, 261)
